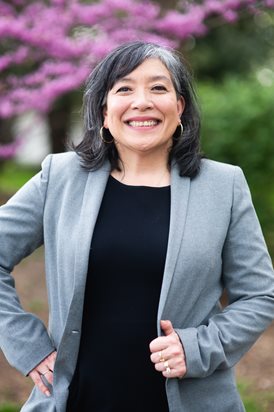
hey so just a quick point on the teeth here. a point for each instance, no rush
(146, 123)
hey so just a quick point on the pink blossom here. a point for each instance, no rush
(269, 3)
(57, 42)
(230, 16)
(7, 151)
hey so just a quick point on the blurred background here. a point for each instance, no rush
(47, 49)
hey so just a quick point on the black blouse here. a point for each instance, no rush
(127, 258)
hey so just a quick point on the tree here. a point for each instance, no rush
(48, 47)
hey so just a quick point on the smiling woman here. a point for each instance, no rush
(142, 113)
(141, 237)
(141, 84)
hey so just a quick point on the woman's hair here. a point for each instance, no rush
(93, 151)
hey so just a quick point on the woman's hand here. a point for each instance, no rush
(44, 371)
(167, 352)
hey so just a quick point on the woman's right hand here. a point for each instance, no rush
(44, 369)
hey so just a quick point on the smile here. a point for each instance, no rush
(146, 123)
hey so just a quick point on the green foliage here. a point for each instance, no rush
(238, 128)
(9, 407)
(13, 176)
(233, 49)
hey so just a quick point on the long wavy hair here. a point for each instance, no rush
(185, 150)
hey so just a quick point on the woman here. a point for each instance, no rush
(141, 237)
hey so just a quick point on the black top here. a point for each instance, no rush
(127, 257)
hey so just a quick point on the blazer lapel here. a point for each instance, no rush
(180, 187)
(93, 195)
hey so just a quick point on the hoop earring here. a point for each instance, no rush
(178, 134)
(101, 132)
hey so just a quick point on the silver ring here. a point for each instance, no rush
(43, 374)
(168, 370)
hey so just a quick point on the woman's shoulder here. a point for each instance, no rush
(218, 170)
(213, 166)
(217, 175)
(60, 160)
(62, 164)
(61, 168)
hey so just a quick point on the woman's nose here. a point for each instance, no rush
(142, 100)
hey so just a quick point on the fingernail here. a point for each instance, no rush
(47, 393)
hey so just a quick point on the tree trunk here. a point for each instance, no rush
(59, 124)
(167, 5)
(6, 135)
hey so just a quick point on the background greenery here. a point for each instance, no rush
(238, 128)
(234, 72)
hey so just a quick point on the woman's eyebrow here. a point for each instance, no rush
(160, 77)
(150, 78)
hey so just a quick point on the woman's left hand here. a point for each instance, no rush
(167, 352)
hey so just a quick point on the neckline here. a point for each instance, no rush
(137, 186)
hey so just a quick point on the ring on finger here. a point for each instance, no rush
(44, 373)
(162, 359)
(168, 370)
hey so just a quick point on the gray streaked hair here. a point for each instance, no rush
(116, 65)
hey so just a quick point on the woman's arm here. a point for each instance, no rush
(249, 282)
(23, 337)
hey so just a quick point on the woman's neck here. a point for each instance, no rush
(144, 171)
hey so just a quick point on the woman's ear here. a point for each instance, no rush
(105, 115)
(181, 105)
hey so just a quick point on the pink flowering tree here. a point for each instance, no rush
(47, 48)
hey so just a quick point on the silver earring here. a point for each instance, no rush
(182, 128)
(101, 132)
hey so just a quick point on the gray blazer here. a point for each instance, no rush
(215, 241)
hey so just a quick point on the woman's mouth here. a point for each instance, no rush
(145, 123)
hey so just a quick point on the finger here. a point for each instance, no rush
(169, 370)
(36, 377)
(172, 351)
(163, 342)
(169, 373)
(50, 361)
(167, 327)
(160, 343)
(162, 366)
(47, 364)
(160, 356)
(166, 368)
(48, 376)
(174, 373)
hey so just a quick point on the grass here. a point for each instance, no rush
(13, 176)
(9, 407)
(253, 400)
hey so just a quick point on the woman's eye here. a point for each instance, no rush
(123, 89)
(159, 87)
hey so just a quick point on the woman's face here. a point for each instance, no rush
(142, 110)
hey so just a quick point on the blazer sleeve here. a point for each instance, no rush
(249, 280)
(23, 337)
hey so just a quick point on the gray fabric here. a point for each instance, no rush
(215, 240)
